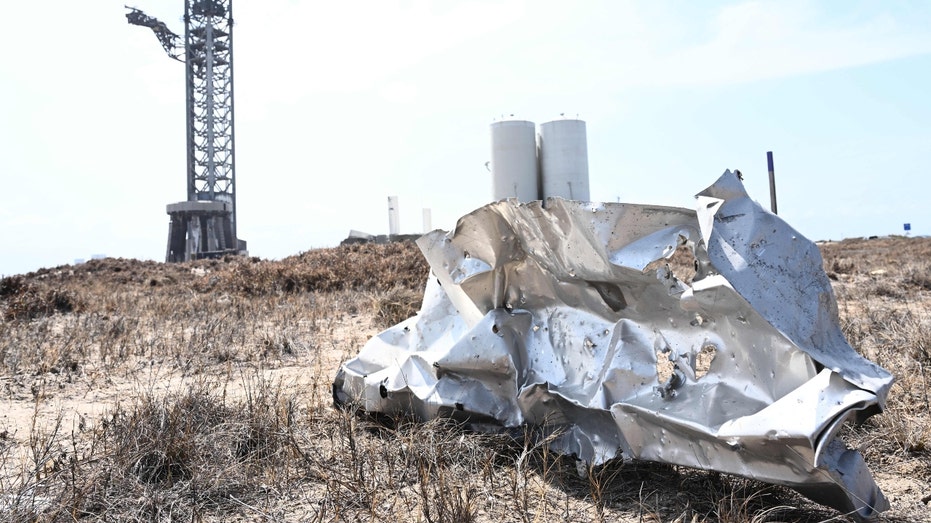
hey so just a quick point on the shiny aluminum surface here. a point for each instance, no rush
(562, 317)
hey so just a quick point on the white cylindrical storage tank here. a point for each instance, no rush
(564, 160)
(514, 161)
(394, 221)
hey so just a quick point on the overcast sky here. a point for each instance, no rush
(341, 104)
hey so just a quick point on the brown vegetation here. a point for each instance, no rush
(139, 391)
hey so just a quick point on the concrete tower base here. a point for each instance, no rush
(201, 229)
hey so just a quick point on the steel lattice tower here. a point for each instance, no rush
(205, 224)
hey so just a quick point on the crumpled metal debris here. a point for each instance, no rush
(560, 317)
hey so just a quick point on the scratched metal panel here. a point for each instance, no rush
(560, 316)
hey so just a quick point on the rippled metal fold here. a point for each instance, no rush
(561, 316)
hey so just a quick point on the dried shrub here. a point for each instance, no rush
(887, 290)
(11, 286)
(842, 266)
(26, 301)
(919, 279)
(185, 454)
(358, 267)
(396, 305)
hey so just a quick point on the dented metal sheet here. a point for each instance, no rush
(561, 317)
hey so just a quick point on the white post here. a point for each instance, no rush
(427, 221)
(394, 222)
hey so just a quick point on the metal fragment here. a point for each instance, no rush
(561, 316)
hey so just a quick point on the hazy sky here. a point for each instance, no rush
(341, 104)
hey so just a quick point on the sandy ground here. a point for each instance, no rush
(80, 400)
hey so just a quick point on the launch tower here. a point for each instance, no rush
(204, 225)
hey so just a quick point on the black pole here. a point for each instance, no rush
(772, 182)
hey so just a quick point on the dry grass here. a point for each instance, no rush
(138, 391)
(885, 309)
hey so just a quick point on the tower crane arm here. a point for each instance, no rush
(169, 40)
